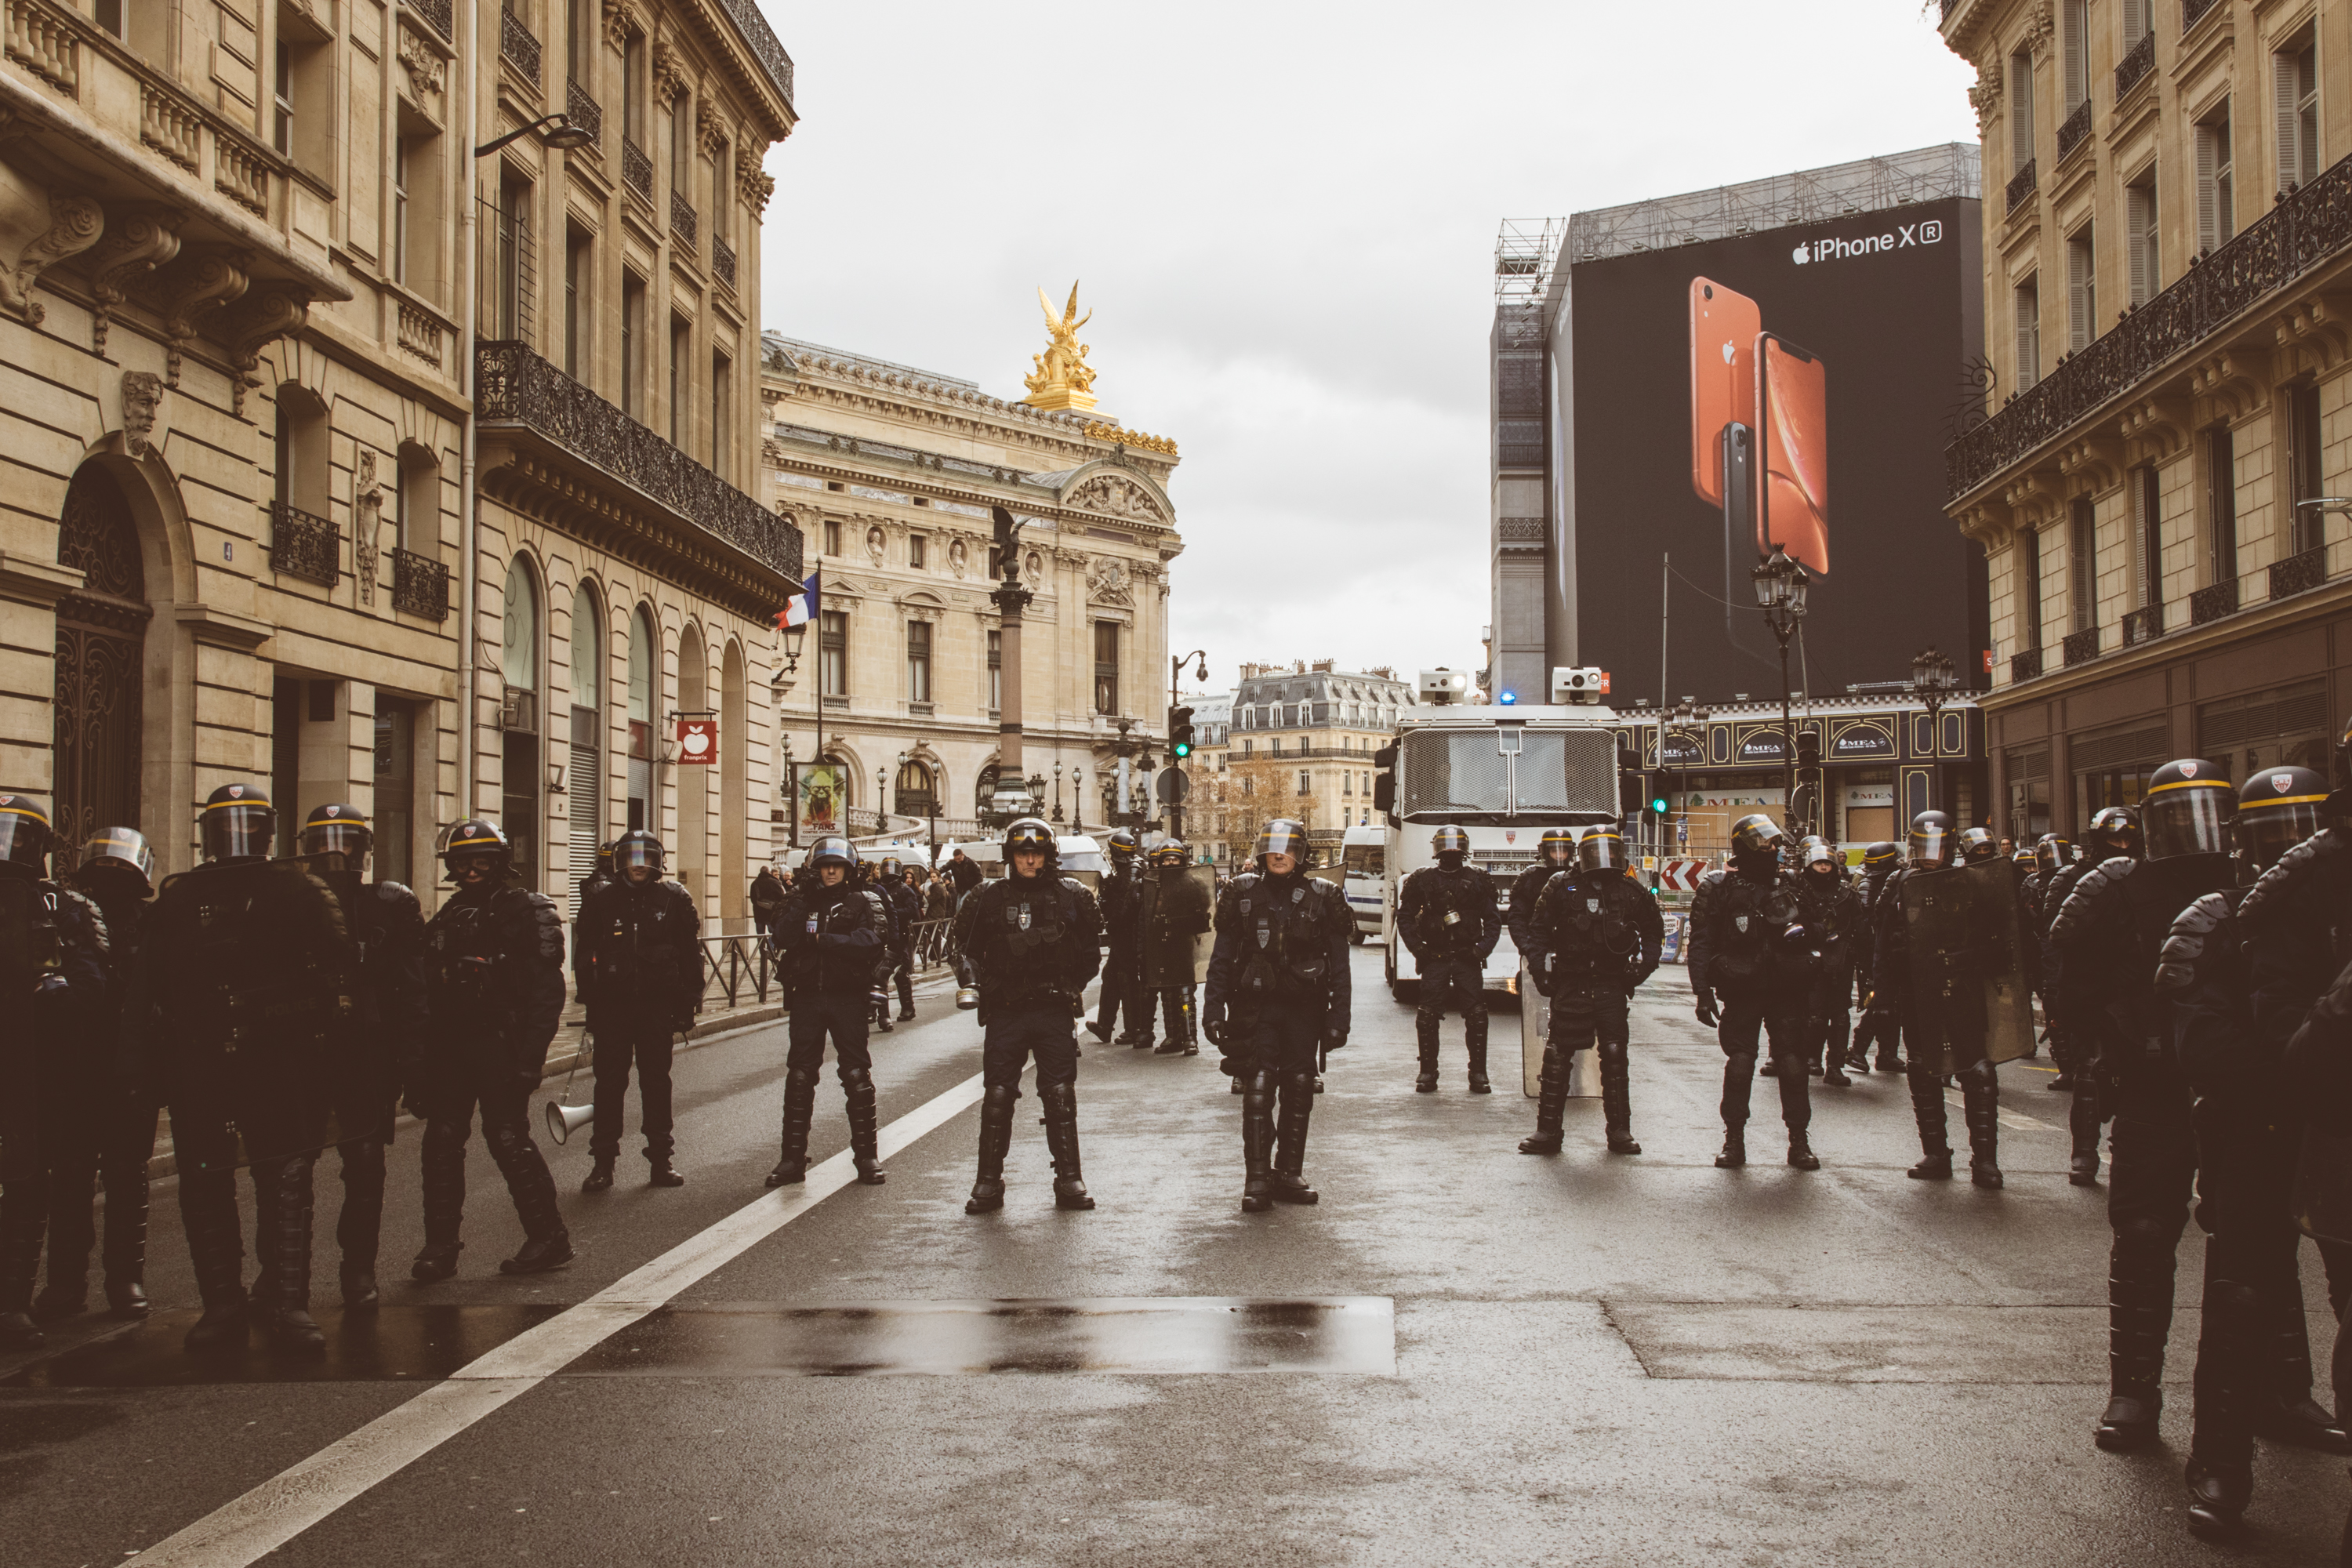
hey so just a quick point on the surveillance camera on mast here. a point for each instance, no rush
(1580, 685)
(1441, 686)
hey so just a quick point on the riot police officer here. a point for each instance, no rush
(1174, 905)
(1447, 915)
(1276, 1002)
(601, 877)
(53, 972)
(1031, 940)
(905, 912)
(2248, 1133)
(1829, 907)
(1741, 958)
(2039, 862)
(832, 933)
(1879, 1025)
(1555, 852)
(102, 1120)
(387, 923)
(637, 964)
(1120, 982)
(237, 939)
(1945, 1029)
(495, 959)
(2107, 940)
(2113, 831)
(1593, 937)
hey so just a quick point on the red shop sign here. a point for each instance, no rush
(698, 741)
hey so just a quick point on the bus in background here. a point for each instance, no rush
(1363, 860)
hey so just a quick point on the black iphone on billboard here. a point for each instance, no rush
(1793, 500)
(1741, 622)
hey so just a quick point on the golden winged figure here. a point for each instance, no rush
(1062, 379)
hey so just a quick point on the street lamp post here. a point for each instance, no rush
(1934, 679)
(1077, 800)
(1683, 713)
(1058, 789)
(1780, 585)
(881, 798)
(795, 637)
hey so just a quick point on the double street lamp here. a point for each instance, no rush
(1934, 681)
(1780, 586)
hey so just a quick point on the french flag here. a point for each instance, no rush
(801, 608)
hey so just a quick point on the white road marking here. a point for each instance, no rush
(239, 1532)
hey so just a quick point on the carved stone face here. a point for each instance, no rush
(142, 395)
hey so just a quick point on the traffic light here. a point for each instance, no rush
(1629, 780)
(1658, 792)
(1384, 779)
(1809, 749)
(1180, 732)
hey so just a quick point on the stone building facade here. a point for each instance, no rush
(303, 389)
(2168, 232)
(1293, 741)
(890, 473)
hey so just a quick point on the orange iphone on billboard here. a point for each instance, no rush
(1724, 324)
(1792, 403)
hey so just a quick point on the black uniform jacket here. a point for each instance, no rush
(1449, 917)
(831, 938)
(1030, 941)
(1593, 927)
(1738, 918)
(636, 957)
(1281, 940)
(494, 959)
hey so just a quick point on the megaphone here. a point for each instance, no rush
(562, 1120)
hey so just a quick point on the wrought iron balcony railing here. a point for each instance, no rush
(304, 545)
(2193, 12)
(2021, 186)
(2307, 230)
(2074, 130)
(2025, 666)
(585, 111)
(2081, 648)
(518, 46)
(435, 13)
(762, 39)
(2212, 604)
(420, 586)
(515, 386)
(722, 261)
(637, 168)
(2299, 574)
(682, 220)
(2137, 61)
(2144, 625)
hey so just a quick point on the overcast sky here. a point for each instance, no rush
(1282, 216)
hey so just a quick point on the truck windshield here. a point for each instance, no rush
(1506, 771)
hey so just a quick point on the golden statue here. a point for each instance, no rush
(1062, 379)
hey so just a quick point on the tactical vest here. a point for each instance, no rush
(1451, 912)
(1747, 919)
(1283, 951)
(32, 948)
(1026, 932)
(1592, 932)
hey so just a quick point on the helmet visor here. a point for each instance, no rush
(346, 839)
(1757, 836)
(1931, 844)
(1600, 850)
(238, 830)
(2266, 832)
(830, 852)
(124, 847)
(2191, 819)
(637, 854)
(1285, 838)
(1029, 835)
(1977, 844)
(23, 838)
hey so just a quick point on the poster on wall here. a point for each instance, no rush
(821, 791)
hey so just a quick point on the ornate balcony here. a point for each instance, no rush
(2025, 666)
(435, 13)
(607, 477)
(682, 220)
(518, 46)
(2081, 648)
(2137, 61)
(2299, 574)
(2193, 12)
(722, 261)
(585, 111)
(2144, 625)
(2021, 186)
(420, 586)
(2308, 229)
(636, 169)
(302, 545)
(2074, 130)
(762, 40)
(2212, 604)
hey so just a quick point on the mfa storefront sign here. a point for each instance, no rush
(698, 741)
(1861, 739)
(1760, 745)
(1867, 795)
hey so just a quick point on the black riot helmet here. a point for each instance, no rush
(834, 850)
(1451, 841)
(1757, 836)
(1122, 845)
(478, 842)
(1169, 852)
(2051, 852)
(1557, 846)
(25, 839)
(1881, 858)
(889, 867)
(118, 852)
(2022, 857)
(604, 857)
(1601, 849)
(1933, 843)
(2187, 809)
(2278, 808)
(1977, 846)
(237, 824)
(1814, 854)
(638, 848)
(1036, 833)
(1287, 835)
(2114, 830)
(337, 830)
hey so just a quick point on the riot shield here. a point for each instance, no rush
(1176, 916)
(1534, 1028)
(254, 969)
(365, 1078)
(1969, 995)
(26, 949)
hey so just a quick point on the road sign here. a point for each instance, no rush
(1172, 785)
(1680, 876)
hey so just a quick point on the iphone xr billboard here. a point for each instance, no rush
(1792, 389)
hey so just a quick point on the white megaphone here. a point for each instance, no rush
(563, 1120)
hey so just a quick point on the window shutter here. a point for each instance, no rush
(2029, 336)
(2209, 212)
(2078, 583)
(2141, 200)
(2078, 72)
(2135, 22)
(2285, 80)
(2079, 326)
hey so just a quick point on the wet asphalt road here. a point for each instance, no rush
(1462, 1355)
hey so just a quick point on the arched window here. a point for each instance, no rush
(984, 791)
(917, 796)
(641, 718)
(519, 717)
(586, 769)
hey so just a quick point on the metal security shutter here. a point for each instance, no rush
(587, 785)
(2113, 751)
(2286, 715)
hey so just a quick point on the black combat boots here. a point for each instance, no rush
(995, 1140)
(799, 1101)
(1060, 1103)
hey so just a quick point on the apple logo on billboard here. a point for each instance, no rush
(1801, 255)
(1729, 352)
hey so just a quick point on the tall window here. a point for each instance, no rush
(641, 721)
(633, 347)
(2028, 307)
(2147, 538)
(584, 765)
(2304, 459)
(2029, 590)
(579, 295)
(2221, 504)
(918, 661)
(2141, 237)
(282, 101)
(1107, 667)
(2139, 20)
(722, 390)
(2217, 202)
(2296, 73)
(580, 36)
(2020, 84)
(519, 664)
(916, 795)
(681, 146)
(2082, 588)
(832, 652)
(995, 671)
(634, 89)
(681, 338)
(2075, 51)
(399, 210)
(720, 199)
(832, 536)
(917, 551)
(514, 259)
(416, 504)
(2082, 291)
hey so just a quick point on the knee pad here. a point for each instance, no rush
(443, 1137)
(1003, 1094)
(2146, 1237)
(806, 1076)
(1613, 1050)
(856, 1078)
(1981, 1073)
(1742, 1061)
(509, 1142)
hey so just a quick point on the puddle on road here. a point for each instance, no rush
(390, 1344)
(1162, 1334)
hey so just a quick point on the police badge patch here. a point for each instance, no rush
(1739, 924)
(1593, 906)
(2281, 782)
(1024, 917)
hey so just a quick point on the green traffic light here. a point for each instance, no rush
(1184, 747)
(1659, 806)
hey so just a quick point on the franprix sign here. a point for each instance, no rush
(698, 741)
